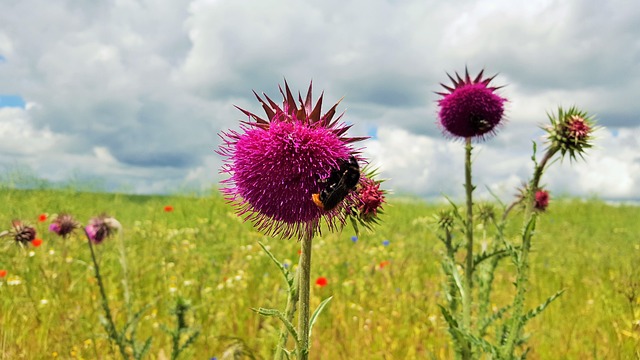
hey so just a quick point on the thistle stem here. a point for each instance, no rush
(522, 276)
(468, 270)
(304, 286)
(290, 310)
(111, 326)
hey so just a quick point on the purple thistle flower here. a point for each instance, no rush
(470, 109)
(276, 164)
(101, 227)
(63, 225)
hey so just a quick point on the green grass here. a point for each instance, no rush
(203, 252)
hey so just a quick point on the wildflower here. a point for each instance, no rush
(42, 217)
(3, 273)
(36, 242)
(384, 263)
(570, 132)
(541, 200)
(168, 208)
(470, 109)
(63, 225)
(276, 165)
(370, 198)
(101, 227)
(354, 239)
(321, 281)
(386, 242)
(20, 232)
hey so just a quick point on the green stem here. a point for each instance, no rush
(304, 286)
(111, 326)
(522, 276)
(290, 310)
(468, 270)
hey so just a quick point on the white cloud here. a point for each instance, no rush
(135, 92)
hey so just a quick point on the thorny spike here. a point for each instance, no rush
(455, 83)
(479, 77)
(460, 81)
(466, 75)
(308, 101)
(447, 87)
(267, 109)
(315, 113)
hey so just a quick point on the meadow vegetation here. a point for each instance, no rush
(386, 285)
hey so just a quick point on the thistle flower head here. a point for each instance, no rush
(444, 220)
(276, 164)
(63, 225)
(365, 204)
(101, 227)
(470, 108)
(570, 132)
(20, 232)
(541, 200)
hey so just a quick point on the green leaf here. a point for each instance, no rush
(267, 312)
(500, 253)
(533, 312)
(288, 277)
(316, 313)
(495, 316)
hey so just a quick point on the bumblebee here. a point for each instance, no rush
(340, 182)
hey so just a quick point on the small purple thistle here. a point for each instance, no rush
(276, 164)
(101, 227)
(470, 109)
(63, 225)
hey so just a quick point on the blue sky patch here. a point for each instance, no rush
(12, 101)
(2, 58)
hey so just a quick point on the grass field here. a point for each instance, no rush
(385, 286)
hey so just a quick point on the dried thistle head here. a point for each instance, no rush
(21, 233)
(101, 227)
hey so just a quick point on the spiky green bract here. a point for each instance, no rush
(570, 132)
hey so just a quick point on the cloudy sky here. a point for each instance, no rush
(134, 93)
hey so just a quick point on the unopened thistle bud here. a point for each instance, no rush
(570, 132)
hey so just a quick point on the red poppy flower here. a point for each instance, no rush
(321, 281)
(3, 273)
(384, 263)
(36, 242)
(168, 208)
(42, 217)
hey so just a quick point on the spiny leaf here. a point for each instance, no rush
(533, 312)
(288, 277)
(495, 316)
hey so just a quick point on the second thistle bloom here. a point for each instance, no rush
(277, 164)
(101, 227)
(63, 225)
(470, 108)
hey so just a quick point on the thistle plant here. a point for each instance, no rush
(472, 110)
(289, 173)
